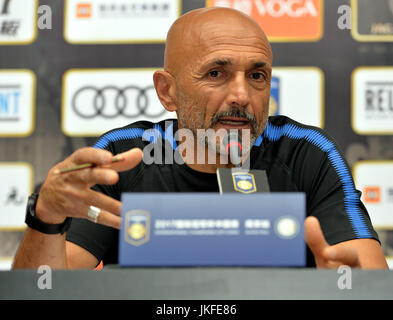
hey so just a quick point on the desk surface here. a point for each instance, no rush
(197, 284)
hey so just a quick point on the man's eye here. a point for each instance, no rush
(257, 76)
(214, 73)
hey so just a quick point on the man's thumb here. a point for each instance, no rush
(314, 237)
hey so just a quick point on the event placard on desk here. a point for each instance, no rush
(208, 229)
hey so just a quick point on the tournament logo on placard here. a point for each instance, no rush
(137, 227)
(18, 19)
(372, 100)
(274, 103)
(282, 20)
(126, 21)
(244, 182)
(375, 24)
(97, 100)
(287, 227)
(17, 103)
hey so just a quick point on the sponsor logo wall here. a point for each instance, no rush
(103, 21)
(16, 184)
(298, 92)
(375, 180)
(375, 24)
(95, 101)
(282, 20)
(62, 88)
(18, 21)
(17, 102)
(372, 100)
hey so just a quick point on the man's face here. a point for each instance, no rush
(225, 81)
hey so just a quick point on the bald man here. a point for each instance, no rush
(217, 73)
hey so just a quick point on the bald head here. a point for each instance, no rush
(199, 30)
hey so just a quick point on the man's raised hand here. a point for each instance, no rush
(69, 194)
(327, 256)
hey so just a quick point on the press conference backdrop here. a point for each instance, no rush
(70, 70)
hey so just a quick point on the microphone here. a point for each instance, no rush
(233, 147)
(240, 179)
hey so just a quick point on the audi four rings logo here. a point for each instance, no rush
(110, 102)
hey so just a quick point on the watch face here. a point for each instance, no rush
(31, 203)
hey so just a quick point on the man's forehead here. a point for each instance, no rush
(244, 53)
(212, 45)
(218, 28)
(205, 31)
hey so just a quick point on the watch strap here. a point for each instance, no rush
(35, 223)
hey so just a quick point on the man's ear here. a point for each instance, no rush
(166, 89)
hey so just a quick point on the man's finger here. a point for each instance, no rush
(108, 219)
(130, 159)
(92, 176)
(103, 202)
(102, 217)
(314, 237)
(91, 155)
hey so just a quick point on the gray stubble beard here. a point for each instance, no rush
(208, 139)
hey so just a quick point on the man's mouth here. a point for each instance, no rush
(234, 121)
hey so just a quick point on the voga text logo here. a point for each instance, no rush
(273, 8)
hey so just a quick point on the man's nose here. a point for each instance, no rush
(239, 92)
